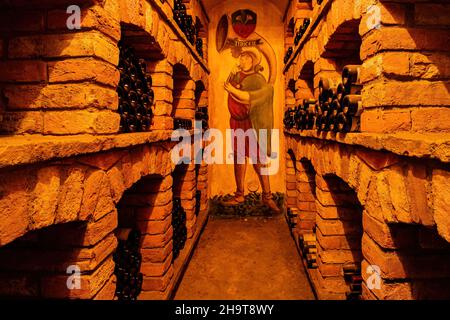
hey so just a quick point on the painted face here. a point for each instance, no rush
(246, 62)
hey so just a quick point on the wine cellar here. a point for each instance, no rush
(93, 206)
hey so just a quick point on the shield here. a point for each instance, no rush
(244, 23)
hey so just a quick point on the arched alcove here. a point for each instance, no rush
(339, 231)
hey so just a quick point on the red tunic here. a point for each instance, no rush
(240, 119)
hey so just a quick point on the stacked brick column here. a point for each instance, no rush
(409, 53)
(202, 186)
(162, 73)
(306, 201)
(184, 98)
(291, 183)
(338, 232)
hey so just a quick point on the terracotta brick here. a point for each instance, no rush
(81, 122)
(390, 237)
(155, 227)
(335, 199)
(441, 201)
(162, 79)
(337, 228)
(429, 65)
(150, 269)
(337, 242)
(15, 220)
(389, 290)
(153, 213)
(306, 206)
(157, 241)
(85, 234)
(332, 284)
(157, 255)
(328, 269)
(163, 94)
(22, 122)
(80, 44)
(162, 123)
(340, 256)
(70, 96)
(56, 286)
(404, 264)
(418, 187)
(160, 283)
(151, 199)
(398, 38)
(83, 69)
(386, 121)
(108, 291)
(430, 119)
(94, 17)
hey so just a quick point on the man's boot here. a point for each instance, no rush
(239, 175)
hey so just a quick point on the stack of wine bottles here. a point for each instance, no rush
(198, 199)
(185, 21)
(135, 92)
(305, 115)
(352, 275)
(199, 46)
(308, 246)
(338, 108)
(288, 55)
(289, 118)
(202, 115)
(291, 217)
(179, 227)
(128, 264)
(185, 124)
(301, 31)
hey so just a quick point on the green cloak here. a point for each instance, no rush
(261, 105)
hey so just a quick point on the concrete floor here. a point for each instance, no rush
(245, 259)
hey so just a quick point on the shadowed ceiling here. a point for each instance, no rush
(281, 4)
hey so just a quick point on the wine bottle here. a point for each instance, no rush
(350, 75)
(352, 105)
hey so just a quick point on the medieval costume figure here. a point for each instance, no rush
(250, 103)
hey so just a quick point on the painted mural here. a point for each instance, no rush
(250, 90)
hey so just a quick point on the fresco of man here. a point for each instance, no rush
(250, 103)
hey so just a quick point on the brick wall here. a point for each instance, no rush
(60, 82)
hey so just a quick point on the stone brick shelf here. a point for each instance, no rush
(165, 11)
(21, 150)
(318, 13)
(434, 146)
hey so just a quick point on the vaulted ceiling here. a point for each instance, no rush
(281, 4)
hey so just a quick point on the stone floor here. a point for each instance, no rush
(248, 259)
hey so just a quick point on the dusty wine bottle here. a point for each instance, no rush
(352, 105)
